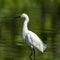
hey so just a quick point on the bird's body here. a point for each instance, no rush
(31, 38)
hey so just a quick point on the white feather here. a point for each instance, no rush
(31, 38)
(35, 41)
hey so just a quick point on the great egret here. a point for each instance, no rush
(31, 38)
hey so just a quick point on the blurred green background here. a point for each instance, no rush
(44, 21)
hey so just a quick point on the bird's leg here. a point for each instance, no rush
(31, 54)
(34, 53)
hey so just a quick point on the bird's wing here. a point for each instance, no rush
(36, 41)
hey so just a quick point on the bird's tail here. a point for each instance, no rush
(44, 47)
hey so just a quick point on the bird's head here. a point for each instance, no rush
(25, 16)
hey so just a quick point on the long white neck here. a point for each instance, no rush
(25, 28)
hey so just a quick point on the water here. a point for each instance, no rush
(45, 24)
(14, 47)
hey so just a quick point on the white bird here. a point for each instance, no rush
(31, 38)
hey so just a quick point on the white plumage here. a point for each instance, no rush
(31, 38)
